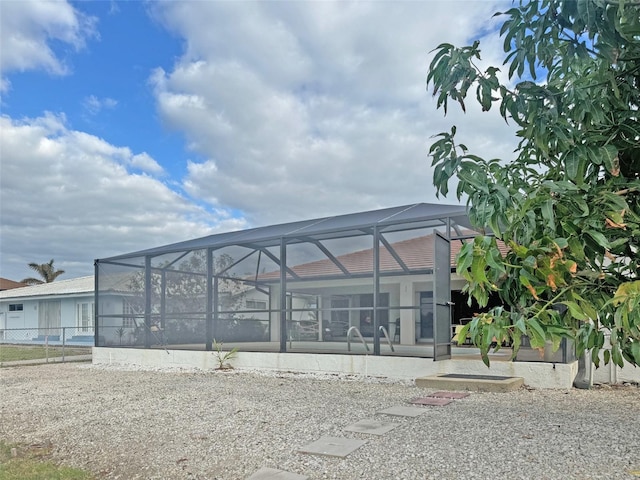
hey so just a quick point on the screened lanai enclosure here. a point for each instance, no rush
(377, 282)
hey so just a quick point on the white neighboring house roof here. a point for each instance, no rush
(73, 286)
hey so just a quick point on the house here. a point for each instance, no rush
(56, 311)
(371, 293)
(385, 276)
(373, 271)
(6, 284)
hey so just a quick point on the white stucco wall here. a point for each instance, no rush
(612, 373)
(536, 375)
(28, 317)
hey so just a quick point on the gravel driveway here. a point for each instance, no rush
(185, 424)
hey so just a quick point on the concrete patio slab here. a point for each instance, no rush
(478, 383)
(402, 411)
(332, 446)
(432, 401)
(266, 473)
(371, 426)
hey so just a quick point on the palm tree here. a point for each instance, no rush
(46, 271)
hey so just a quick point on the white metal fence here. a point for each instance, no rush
(52, 336)
(60, 343)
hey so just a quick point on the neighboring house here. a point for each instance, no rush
(39, 312)
(6, 284)
(33, 312)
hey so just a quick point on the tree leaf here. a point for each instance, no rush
(575, 310)
(536, 333)
(548, 215)
(610, 159)
(599, 238)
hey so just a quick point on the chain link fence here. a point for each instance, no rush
(46, 344)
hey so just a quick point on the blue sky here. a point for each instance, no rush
(107, 89)
(127, 125)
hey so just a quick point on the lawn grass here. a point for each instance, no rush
(31, 462)
(10, 353)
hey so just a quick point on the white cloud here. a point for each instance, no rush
(293, 110)
(94, 105)
(27, 29)
(303, 109)
(71, 196)
(144, 162)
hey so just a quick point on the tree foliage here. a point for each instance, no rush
(178, 297)
(185, 286)
(47, 273)
(568, 203)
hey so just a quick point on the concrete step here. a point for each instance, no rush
(476, 383)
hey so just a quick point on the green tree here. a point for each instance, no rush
(47, 273)
(568, 203)
(186, 285)
(185, 294)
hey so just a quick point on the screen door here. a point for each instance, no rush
(441, 298)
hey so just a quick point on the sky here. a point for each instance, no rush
(129, 125)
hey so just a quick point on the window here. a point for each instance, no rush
(128, 322)
(256, 305)
(15, 307)
(49, 317)
(84, 317)
(129, 311)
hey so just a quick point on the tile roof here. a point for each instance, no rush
(6, 284)
(415, 253)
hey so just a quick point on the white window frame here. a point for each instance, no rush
(85, 316)
(256, 304)
(128, 312)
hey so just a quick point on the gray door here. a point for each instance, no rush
(441, 298)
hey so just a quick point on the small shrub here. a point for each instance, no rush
(223, 357)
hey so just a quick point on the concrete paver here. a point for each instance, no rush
(371, 426)
(266, 473)
(432, 401)
(332, 446)
(402, 411)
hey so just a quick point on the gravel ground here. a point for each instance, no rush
(186, 424)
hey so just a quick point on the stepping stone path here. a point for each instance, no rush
(333, 446)
(402, 411)
(341, 447)
(432, 401)
(266, 473)
(371, 426)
